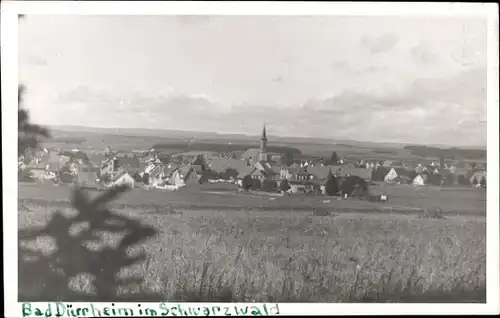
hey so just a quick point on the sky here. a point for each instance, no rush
(387, 79)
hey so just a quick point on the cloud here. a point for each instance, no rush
(423, 55)
(426, 111)
(341, 66)
(381, 44)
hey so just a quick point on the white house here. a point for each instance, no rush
(420, 180)
(391, 175)
(123, 178)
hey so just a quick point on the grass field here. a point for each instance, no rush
(402, 199)
(276, 254)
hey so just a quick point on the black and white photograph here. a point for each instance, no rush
(268, 158)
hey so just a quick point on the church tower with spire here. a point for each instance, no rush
(263, 145)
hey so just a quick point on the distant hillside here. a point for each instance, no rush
(213, 136)
(447, 153)
(223, 147)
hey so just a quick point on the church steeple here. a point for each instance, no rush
(263, 145)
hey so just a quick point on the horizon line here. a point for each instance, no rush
(481, 147)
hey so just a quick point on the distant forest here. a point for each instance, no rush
(225, 147)
(69, 140)
(450, 153)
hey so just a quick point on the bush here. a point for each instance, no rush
(256, 184)
(246, 182)
(269, 185)
(331, 187)
(284, 185)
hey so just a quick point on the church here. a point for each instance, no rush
(261, 154)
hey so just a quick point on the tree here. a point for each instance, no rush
(354, 184)
(331, 187)
(284, 186)
(29, 135)
(256, 184)
(334, 158)
(230, 173)
(210, 174)
(287, 158)
(200, 161)
(269, 185)
(462, 180)
(449, 179)
(474, 181)
(145, 178)
(483, 182)
(247, 182)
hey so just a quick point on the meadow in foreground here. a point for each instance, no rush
(284, 256)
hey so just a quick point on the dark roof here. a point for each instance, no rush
(220, 165)
(197, 169)
(246, 171)
(96, 159)
(251, 153)
(126, 162)
(360, 172)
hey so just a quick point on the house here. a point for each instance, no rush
(157, 175)
(476, 178)
(302, 186)
(123, 178)
(420, 180)
(243, 173)
(379, 173)
(401, 173)
(266, 171)
(185, 176)
(109, 166)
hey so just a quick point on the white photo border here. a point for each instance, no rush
(9, 80)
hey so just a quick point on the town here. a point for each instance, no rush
(255, 169)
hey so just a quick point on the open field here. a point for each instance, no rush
(292, 256)
(402, 199)
(214, 247)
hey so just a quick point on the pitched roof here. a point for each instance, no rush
(169, 169)
(121, 174)
(478, 175)
(220, 165)
(156, 171)
(127, 162)
(96, 159)
(246, 171)
(321, 172)
(251, 153)
(184, 170)
(360, 172)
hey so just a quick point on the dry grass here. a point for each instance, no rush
(285, 256)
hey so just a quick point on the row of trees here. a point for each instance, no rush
(332, 188)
